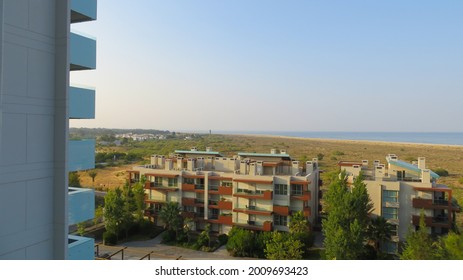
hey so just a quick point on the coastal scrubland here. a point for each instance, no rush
(329, 153)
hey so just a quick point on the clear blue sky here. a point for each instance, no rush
(277, 65)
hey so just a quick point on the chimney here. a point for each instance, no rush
(308, 167)
(169, 164)
(273, 151)
(421, 163)
(153, 159)
(364, 162)
(425, 175)
(295, 167)
(208, 149)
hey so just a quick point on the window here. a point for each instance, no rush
(157, 181)
(172, 182)
(189, 181)
(188, 208)
(280, 220)
(227, 184)
(390, 213)
(281, 189)
(389, 247)
(394, 230)
(390, 196)
(296, 189)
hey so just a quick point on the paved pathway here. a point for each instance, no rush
(135, 250)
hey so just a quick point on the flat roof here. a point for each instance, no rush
(349, 163)
(198, 153)
(263, 155)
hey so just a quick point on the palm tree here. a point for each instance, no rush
(170, 215)
(379, 230)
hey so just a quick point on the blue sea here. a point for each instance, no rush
(445, 138)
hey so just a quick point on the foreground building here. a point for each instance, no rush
(399, 190)
(250, 190)
(37, 51)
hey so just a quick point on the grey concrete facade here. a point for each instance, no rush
(34, 82)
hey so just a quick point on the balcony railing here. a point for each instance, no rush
(438, 221)
(257, 194)
(81, 103)
(81, 154)
(83, 10)
(83, 52)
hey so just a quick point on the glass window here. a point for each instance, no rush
(296, 189)
(157, 181)
(281, 189)
(280, 220)
(172, 182)
(390, 196)
(390, 213)
(227, 184)
(390, 247)
(188, 181)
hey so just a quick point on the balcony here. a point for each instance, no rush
(439, 221)
(159, 187)
(190, 215)
(83, 10)
(81, 205)
(306, 195)
(152, 212)
(80, 248)
(253, 210)
(214, 204)
(81, 103)
(83, 52)
(225, 190)
(430, 203)
(186, 201)
(252, 225)
(225, 205)
(81, 154)
(225, 219)
(258, 194)
(188, 187)
(281, 210)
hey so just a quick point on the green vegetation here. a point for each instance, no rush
(74, 179)
(419, 244)
(378, 232)
(347, 220)
(441, 172)
(283, 246)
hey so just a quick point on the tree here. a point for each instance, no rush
(283, 246)
(187, 226)
(92, 173)
(170, 216)
(379, 231)
(98, 215)
(419, 245)
(138, 191)
(204, 238)
(240, 242)
(114, 211)
(347, 219)
(74, 179)
(81, 228)
(299, 228)
(451, 247)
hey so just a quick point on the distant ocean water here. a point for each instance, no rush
(445, 138)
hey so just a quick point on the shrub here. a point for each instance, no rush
(109, 238)
(460, 180)
(441, 172)
(223, 238)
(338, 153)
(320, 156)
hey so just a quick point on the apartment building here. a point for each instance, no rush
(399, 190)
(37, 53)
(256, 191)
